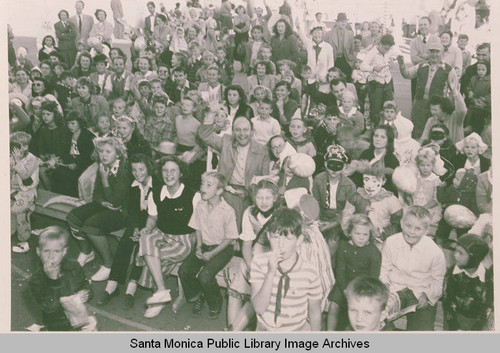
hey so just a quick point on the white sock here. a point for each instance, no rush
(111, 286)
(131, 288)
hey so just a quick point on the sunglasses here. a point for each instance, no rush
(38, 84)
(335, 165)
(437, 135)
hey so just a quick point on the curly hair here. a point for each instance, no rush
(117, 144)
(241, 93)
(288, 29)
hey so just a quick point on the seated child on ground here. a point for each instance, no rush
(59, 285)
(282, 280)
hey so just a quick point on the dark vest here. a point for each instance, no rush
(438, 81)
(118, 87)
(174, 214)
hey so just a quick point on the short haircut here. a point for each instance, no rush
(418, 212)
(286, 221)
(119, 100)
(306, 68)
(183, 168)
(368, 287)
(151, 3)
(214, 67)
(358, 37)
(160, 99)
(20, 137)
(265, 184)
(483, 46)
(463, 36)
(387, 39)
(74, 115)
(143, 83)
(161, 17)
(266, 100)
(258, 27)
(221, 179)
(125, 119)
(285, 84)
(60, 12)
(119, 57)
(373, 170)
(100, 10)
(446, 105)
(363, 220)
(425, 155)
(85, 81)
(67, 74)
(337, 81)
(446, 32)
(426, 18)
(52, 233)
(142, 158)
(179, 69)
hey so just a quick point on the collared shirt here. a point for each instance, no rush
(247, 229)
(452, 76)
(264, 129)
(215, 225)
(476, 166)
(113, 169)
(453, 57)
(144, 192)
(238, 176)
(164, 193)
(333, 194)
(420, 268)
(375, 58)
(479, 273)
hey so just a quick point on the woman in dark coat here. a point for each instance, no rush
(284, 42)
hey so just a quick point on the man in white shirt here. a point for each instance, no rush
(412, 261)
(319, 52)
(377, 63)
(150, 22)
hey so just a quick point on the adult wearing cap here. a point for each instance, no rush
(67, 35)
(241, 159)
(331, 189)
(468, 292)
(433, 78)
(377, 64)
(319, 53)
(341, 39)
(83, 22)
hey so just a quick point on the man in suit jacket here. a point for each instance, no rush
(341, 39)
(83, 23)
(150, 22)
(241, 159)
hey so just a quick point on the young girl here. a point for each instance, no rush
(255, 241)
(24, 168)
(356, 256)
(471, 148)
(48, 46)
(349, 113)
(143, 65)
(235, 102)
(144, 184)
(479, 99)
(131, 137)
(298, 139)
(286, 74)
(166, 239)
(428, 182)
(258, 93)
(261, 76)
(49, 143)
(77, 157)
(91, 223)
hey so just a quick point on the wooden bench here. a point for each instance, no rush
(46, 206)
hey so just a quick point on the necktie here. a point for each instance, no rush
(317, 49)
(80, 23)
(283, 282)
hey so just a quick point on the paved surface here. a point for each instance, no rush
(113, 317)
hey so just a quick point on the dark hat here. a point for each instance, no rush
(475, 246)
(336, 152)
(341, 16)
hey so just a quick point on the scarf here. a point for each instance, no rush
(283, 282)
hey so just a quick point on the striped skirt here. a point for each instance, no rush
(170, 249)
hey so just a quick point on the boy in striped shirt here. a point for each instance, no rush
(286, 290)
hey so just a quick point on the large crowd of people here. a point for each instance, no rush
(334, 201)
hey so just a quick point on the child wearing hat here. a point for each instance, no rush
(332, 189)
(468, 293)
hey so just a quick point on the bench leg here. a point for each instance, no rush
(180, 300)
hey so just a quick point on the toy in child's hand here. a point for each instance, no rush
(459, 217)
(405, 179)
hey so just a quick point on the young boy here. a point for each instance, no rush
(265, 126)
(159, 125)
(366, 301)
(265, 54)
(59, 285)
(215, 224)
(212, 91)
(226, 67)
(24, 178)
(468, 294)
(463, 41)
(414, 266)
(252, 48)
(381, 206)
(286, 290)
(186, 127)
(100, 78)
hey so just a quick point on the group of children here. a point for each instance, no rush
(335, 216)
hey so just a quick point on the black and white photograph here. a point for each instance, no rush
(250, 165)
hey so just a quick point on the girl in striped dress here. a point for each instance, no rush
(166, 240)
(255, 241)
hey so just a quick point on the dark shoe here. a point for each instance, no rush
(213, 314)
(198, 306)
(128, 302)
(106, 297)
